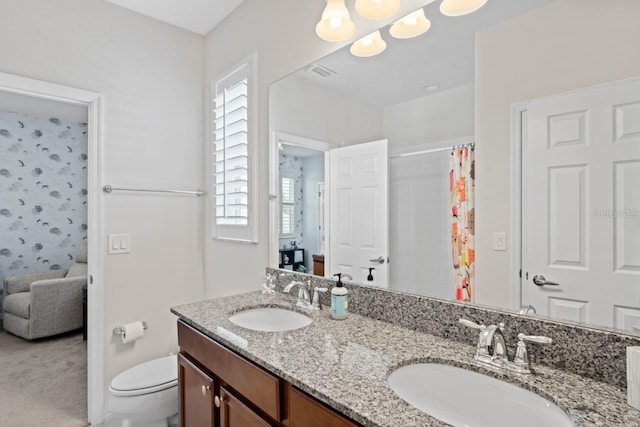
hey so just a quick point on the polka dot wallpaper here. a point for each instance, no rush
(43, 193)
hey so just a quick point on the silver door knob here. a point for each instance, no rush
(541, 281)
(379, 260)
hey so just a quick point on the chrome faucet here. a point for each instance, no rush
(316, 303)
(527, 309)
(304, 300)
(495, 344)
(492, 349)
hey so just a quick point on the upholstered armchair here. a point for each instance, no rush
(39, 305)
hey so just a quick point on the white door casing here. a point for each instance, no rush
(321, 219)
(358, 199)
(582, 204)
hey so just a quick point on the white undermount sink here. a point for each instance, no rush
(270, 319)
(465, 398)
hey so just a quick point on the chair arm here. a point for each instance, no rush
(23, 283)
(56, 305)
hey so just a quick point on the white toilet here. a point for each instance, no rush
(147, 394)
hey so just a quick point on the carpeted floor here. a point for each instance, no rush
(43, 382)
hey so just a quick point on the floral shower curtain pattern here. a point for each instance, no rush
(461, 187)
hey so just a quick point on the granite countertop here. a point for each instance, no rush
(345, 363)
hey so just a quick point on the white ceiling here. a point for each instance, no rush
(443, 56)
(199, 16)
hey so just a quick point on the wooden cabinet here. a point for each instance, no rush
(234, 413)
(218, 387)
(197, 407)
(304, 411)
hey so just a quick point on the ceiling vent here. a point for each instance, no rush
(321, 71)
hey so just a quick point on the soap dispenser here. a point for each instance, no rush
(339, 303)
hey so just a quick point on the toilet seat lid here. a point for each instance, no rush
(147, 377)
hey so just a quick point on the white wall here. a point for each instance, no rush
(441, 116)
(257, 25)
(151, 77)
(566, 45)
(301, 107)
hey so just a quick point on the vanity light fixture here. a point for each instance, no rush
(369, 45)
(336, 24)
(460, 7)
(411, 25)
(377, 9)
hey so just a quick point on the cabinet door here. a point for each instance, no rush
(234, 413)
(307, 412)
(196, 395)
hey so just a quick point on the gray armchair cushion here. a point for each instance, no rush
(56, 306)
(79, 268)
(17, 304)
(23, 283)
(81, 255)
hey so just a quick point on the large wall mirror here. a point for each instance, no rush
(544, 94)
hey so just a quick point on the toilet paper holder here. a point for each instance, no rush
(118, 330)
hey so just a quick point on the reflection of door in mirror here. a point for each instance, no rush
(582, 198)
(358, 198)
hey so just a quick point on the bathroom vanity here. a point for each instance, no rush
(217, 383)
(335, 373)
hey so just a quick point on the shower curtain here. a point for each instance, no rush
(461, 187)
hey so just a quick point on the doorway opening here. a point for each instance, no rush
(297, 225)
(61, 162)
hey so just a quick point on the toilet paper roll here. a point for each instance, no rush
(132, 332)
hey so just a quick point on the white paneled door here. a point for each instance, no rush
(358, 197)
(581, 210)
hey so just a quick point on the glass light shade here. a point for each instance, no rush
(460, 7)
(411, 25)
(377, 9)
(370, 45)
(336, 24)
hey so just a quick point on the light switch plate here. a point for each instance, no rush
(499, 241)
(119, 243)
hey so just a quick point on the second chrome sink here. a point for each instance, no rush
(270, 319)
(465, 398)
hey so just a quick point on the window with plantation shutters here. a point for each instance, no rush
(232, 147)
(287, 207)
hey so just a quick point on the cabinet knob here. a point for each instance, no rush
(218, 401)
(205, 389)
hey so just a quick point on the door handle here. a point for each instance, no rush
(541, 281)
(379, 260)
